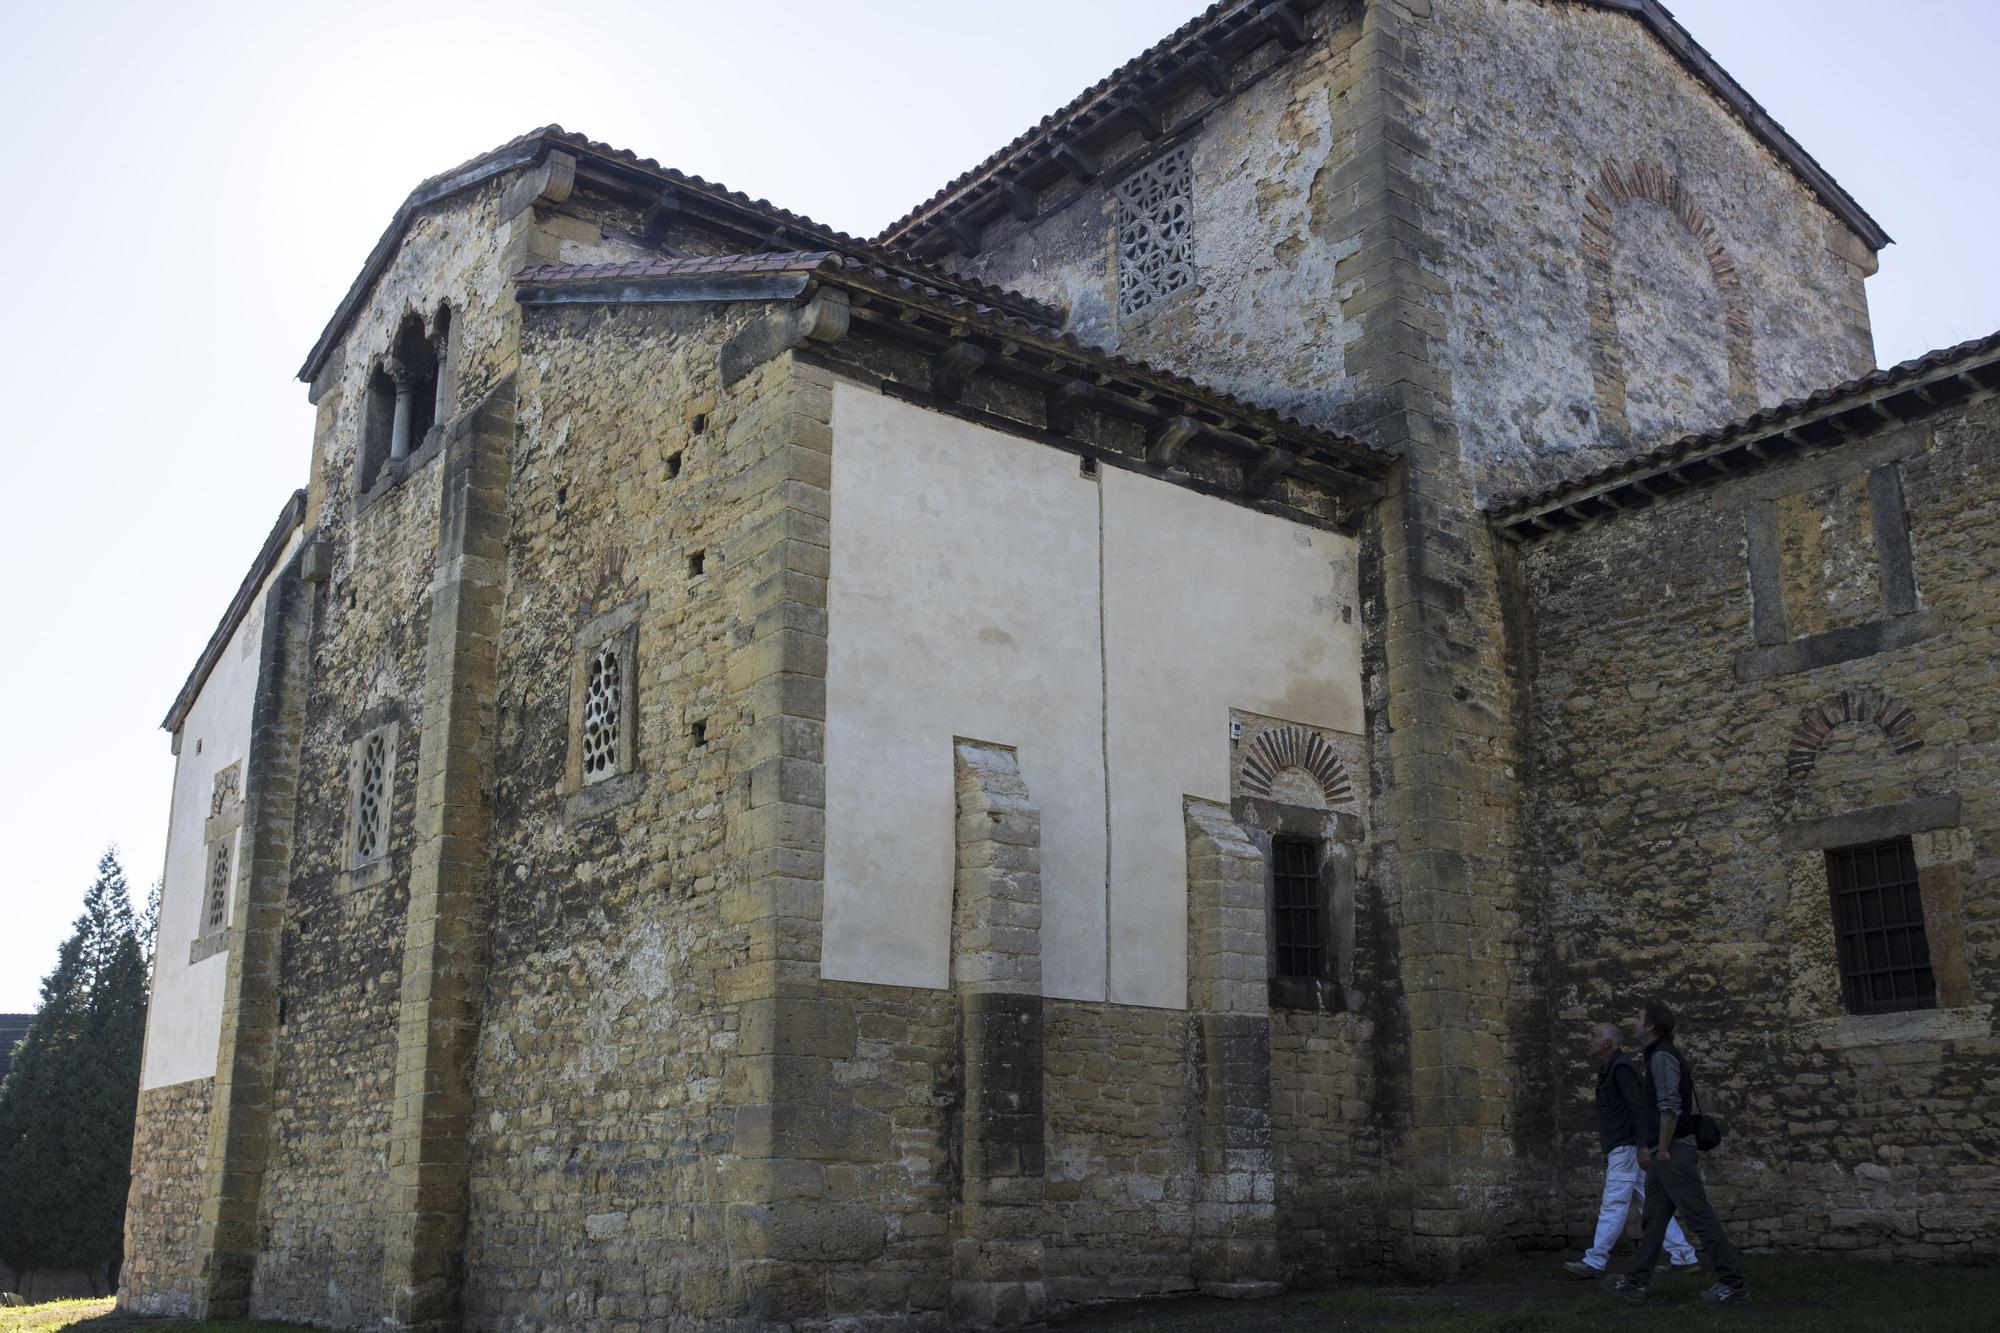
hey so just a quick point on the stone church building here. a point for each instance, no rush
(1105, 741)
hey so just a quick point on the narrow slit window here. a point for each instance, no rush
(370, 784)
(1878, 921)
(603, 704)
(1298, 911)
(218, 887)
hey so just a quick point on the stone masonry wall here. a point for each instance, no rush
(1684, 794)
(321, 1196)
(1626, 262)
(602, 1083)
(163, 1214)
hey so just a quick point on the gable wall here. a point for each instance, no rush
(1574, 334)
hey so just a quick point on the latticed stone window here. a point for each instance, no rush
(368, 799)
(603, 769)
(1155, 231)
(218, 888)
(372, 760)
(603, 714)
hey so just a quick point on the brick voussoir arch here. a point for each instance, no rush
(1294, 747)
(1863, 707)
(1649, 180)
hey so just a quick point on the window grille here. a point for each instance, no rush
(1155, 232)
(1296, 907)
(601, 705)
(368, 813)
(218, 887)
(1878, 918)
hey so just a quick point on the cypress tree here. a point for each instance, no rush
(68, 1105)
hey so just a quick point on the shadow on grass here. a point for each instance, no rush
(1789, 1295)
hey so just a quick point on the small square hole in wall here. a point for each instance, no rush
(698, 733)
(697, 563)
(699, 424)
(673, 464)
(1087, 467)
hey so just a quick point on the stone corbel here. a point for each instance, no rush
(822, 319)
(544, 185)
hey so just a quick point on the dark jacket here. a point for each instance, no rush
(1622, 1105)
(1670, 1090)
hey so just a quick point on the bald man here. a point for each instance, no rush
(1623, 1116)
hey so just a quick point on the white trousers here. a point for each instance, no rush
(1624, 1190)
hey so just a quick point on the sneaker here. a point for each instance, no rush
(1579, 1269)
(1627, 1288)
(1724, 1293)
(1668, 1266)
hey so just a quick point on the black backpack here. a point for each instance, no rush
(1708, 1129)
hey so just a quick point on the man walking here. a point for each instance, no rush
(1673, 1165)
(1624, 1120)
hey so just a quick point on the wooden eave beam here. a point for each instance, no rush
(1217, 76)
(1286, 24)
(967, 237)
(1168, 437)
(1078, 162)
(1141, 115)
(1065, 395)
(952, 369)
(1021, 201)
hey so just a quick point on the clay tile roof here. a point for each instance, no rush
(1186, 39)
(892, 282)
(528, 148)
(1208, 30)
(1768, 421)
(791, 261)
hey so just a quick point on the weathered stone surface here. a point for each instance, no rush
(162, 1268)
(1682, 814)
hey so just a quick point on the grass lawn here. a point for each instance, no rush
(1509, 1296)
(99, 1315)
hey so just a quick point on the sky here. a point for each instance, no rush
(201, 181)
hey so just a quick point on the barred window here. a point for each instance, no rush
(1297, 907)
(1878, 918)
(1155, 231)
(371, 785)
(602, 706)
(218, 886)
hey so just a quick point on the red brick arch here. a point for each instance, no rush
(1864, 707)
(1286, 747)
(1648, 180)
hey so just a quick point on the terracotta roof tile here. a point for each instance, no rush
(527, 147)
(1206, 28)
(789, 261)
(993, 318)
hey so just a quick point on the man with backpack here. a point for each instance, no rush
(1673, 1166)
(1624, 1121)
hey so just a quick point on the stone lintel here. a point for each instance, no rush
(1875, 823)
